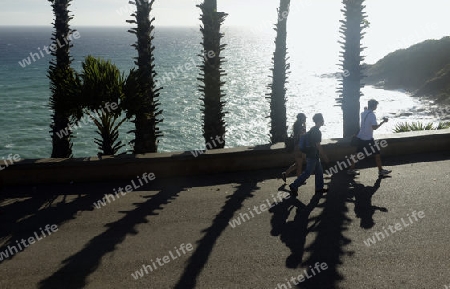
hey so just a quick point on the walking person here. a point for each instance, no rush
(313, 158)
(366, 140)
(298, 129)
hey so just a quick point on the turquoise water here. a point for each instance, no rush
(24, 92)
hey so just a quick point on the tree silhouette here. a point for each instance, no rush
(142, 99)
(277, 97)
(212, 95)
(60, 73)
(350, 90)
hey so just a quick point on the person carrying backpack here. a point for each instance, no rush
(310, 142)
(298, 129)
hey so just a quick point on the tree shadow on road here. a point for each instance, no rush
(329, 244)
(293, 233)
(78, 267)
(205, 245)
(25, 212)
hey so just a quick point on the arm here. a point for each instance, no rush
(375, 127)
(322, 153)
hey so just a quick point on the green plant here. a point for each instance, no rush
(443, 125)
(102, 83)
(108, 130)
(418, 126)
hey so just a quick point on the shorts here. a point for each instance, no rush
(367, 147)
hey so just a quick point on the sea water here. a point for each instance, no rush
(24, 88)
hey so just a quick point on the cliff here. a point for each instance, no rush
(422, 69)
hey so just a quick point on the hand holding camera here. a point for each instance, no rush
(385, 119)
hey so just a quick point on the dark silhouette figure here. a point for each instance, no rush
(293, 233)
(364, 209)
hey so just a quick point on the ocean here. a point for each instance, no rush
(24, 89)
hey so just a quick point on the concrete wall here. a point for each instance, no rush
(126, 167)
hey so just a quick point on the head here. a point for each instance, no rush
(318, 119)
(372, 104)
(301, 117)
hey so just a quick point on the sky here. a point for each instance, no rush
(393, 23)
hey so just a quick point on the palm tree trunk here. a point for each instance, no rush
(212, 96)
(59, 72)
(352, 31)
(146, 105)
(277, 96)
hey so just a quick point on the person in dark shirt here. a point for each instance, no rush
(313, 158)
(299, 129)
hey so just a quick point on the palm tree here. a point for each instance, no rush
(212, 96)
(350, 91)
(142, 100)
(108, 130)
(102, 85)
(61, 74)
(277, 96)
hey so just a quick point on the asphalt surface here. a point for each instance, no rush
(180, 228)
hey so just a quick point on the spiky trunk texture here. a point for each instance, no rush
(277, 97)
(108, 130)
(146, 109)
(59, 71)
(352, 34)
(212, 96)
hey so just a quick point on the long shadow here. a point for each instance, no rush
(20, 220)
(29, 203)
(329, 245)
(330, 242)
(293, 233)
(364, 209)
(79, 266)
(13, 210)
(205, 245)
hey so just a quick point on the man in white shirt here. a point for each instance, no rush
(367, 144)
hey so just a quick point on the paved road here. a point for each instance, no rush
(179, 230)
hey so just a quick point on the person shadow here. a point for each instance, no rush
(361, 196)
(293, 233)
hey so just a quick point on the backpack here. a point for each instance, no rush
(305, 143)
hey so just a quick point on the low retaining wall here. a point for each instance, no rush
(126, 167)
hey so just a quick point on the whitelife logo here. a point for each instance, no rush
(360, 156)
(86, 119)
(165, 260)
(11, 159)
(49, 49)
(129, 188)
(209, 145)
(318, 268)
(394, 228)
(25, 243)
(244, 217)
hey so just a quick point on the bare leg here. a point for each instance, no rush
(291, 169)
(352, 167)
(297, 166)
(378, 162)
